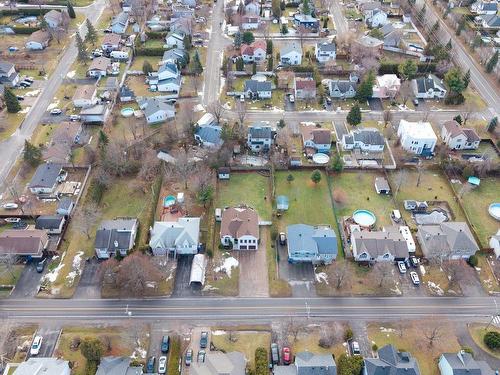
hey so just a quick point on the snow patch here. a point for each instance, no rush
(435, 288)
(32, 93)
(227, 266)
(71, 74)
(387, 330)
(75, 267)
(208, 288)
(321, 277)
(52, 275)
(25, 110)
(218, 333)
(53, 105)
(139, 351)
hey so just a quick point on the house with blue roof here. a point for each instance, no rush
(208, 132)
(119, 23)
(311, 244)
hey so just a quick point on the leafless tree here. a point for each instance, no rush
(340, 273)
(8, 262)
(196, 81)
(216, 109)
(293, 329)
(137, 273)
(466, 114)
(387, 117)
(242, 112)
(150, 169)
(420, 169)
(405, 91)
(302, 31)
(345, 41)
(383, 271)
(183, 167)
(108, 272)
(432, 334)
(86, 218)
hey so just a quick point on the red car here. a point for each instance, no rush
(287, 355)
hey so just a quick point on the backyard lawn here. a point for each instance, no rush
(245, 342)
(476, 204)
(251, 189)
(477, 332)
(356, 190)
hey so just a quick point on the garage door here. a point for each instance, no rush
(243, 247)
(252, 247)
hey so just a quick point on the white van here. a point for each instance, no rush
(396, 216)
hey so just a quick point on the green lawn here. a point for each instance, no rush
(251, 189)
(476, 204)
(478, 331)
(244, 342)
(10, 276)
(356, 190)
(9, 122)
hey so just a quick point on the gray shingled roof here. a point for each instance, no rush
(448, 236)
(315, 364)
(307, 237)
(368, 136)
(378, 243)
(210, 134)
(257, 86)
(463, 363)
(327, 47)
(289, 47)
(117, 366)
(45, 175)
(429, 82)
(260, 132)
(391, 362)
(48, 222)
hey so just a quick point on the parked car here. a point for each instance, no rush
(396, 216)
(242, 98)
(414, 278)
(201, 356)
(20, 97)
(328, 100)
(29, 79)
(20, 225)
(415, 101)
(287, 355)
(23, 84)
(165, 343)
(414, 261)
(36, 345)
(292, 99)
(355, 348)
(282, 239)
(74, 118)
(204, 340)
(56, 111)
(108, 31)
(275, 354)
(401, 267)
(10, 206)
(150, 365)
(162, 365)
(40, 266)
(12, 219)
(189, 357)
(13, 49)
(26, 83)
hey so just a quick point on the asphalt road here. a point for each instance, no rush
(12, 147)
(203, 309)
(340, 21)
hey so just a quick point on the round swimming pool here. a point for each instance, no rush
(168, 201)
(320, 158)
(364, 218)
(494, 210)
(127, 112)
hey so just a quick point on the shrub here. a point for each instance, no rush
(261, 362)
(473, 261)
(468, 350)
(156, 34)
(492, 340)
(374, 347)
(348, 334)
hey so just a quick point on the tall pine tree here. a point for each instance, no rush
(492, 63)
(80, 45)
(11, 101)
(196, 66)
(354, 116)
(71, 11)
(91, 36)
(32, 154)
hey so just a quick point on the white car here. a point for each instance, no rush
(162, 365)
(292, 99)
(414, 278)
(355, 348)
(36, 345)
(401, 267)
(56, 111)
(242, 98)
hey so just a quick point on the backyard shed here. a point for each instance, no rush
(282, 202)
(223, 173)
(474, 181)
(198, 268)
(382, 186)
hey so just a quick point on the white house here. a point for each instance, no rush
(386, 86)
(42, 366)
(325, 52)
(430, 87)
(260, 137)
(99, 67)
(250, 22)
(375, 18)
(85, 96)
(38, 40)
(175, 39)
(55, 18)
(8, 74)
(156, 110)
(417, 137)
(291, 54)
(119, 55)
(458, 138)
(45, 179)
(168, 70)
(255, 52)
(180, 237)
(111, 42)
(239, 228)
(364, 139)
(484, 7)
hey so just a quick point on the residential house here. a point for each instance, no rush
(314, 244)
(43, 366)
(218, 363)
(462, 363)
(417, 137)
(484, 7)
(451, 239)
(156, 110)
(364, 139)
(189, 3)
(65, 206)
(8, 74)
(250, 22)
(382, 186)
(257, 89)
(99, 67)
(325, 51)
(38, 40)
(66, 136)
(180, 11)
(430, 87)
(291, 54)
(53, 224)
(386, 86)
(458, 138)
(342, 88)
(392, 37)
(117, 366)
(374, 44)
(260, 137)
(495, 244)
(378, 246)
(208, 135)
(488, 21)
(315, 139)
(175, 39)
(24, 243)
(56, 18)
(119, 23)
(405, 232)
(391, 361)
(175, 55)
(307, 363)
(304, 88)
(375, 18)
(224, 173)
(171, 86)
(126, 94)
(286, 79)
(306, 21)
(111, 42)
(96, 114)
(239, 228)
(253, 7)
(45, 179)
(85, 96)
(115, 236)
(255, 52)
(180, 237)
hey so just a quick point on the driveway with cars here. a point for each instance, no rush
(50, 336)
(29, 281)
(156, 335)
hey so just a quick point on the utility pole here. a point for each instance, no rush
(493, 316)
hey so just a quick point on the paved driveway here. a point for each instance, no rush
(340, 129)
(300, 276)
(89, 285)
(182, 276)
(375, 104)
(50, 337)
(253, 270)
(28, 283)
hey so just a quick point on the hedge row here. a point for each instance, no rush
(24, 12)
(25, 29)
(392, 68)
(261, 362)
(156, 34)
(149, 51)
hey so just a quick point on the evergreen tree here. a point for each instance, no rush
(492, 125)
(316, 176)
(247, 37)
(325, 23)
(254, 68)
(32, 154)
(467, 78)
(408, 69)
(281, 124)
(458, 119)
(354, 116)
(269, 47)
(187, 42)
(306, 7)
(80, 45)
(449, 46)
(237, 39)
(284, 29)
(454, 80)
(477, 42)
(365, 88)
(240, 65)
(196, 66)
(290, 178)
(103, 139)
(11, 101)
(492, 63)
(270, 64)
(91, 36)
(71, 11)
(146, 67)
(43, 24)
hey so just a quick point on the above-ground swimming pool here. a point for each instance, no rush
(127, 112)
(364, 218)
(320, 158)
(168, 201)
(494, 210)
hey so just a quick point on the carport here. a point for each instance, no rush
(198, 269)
